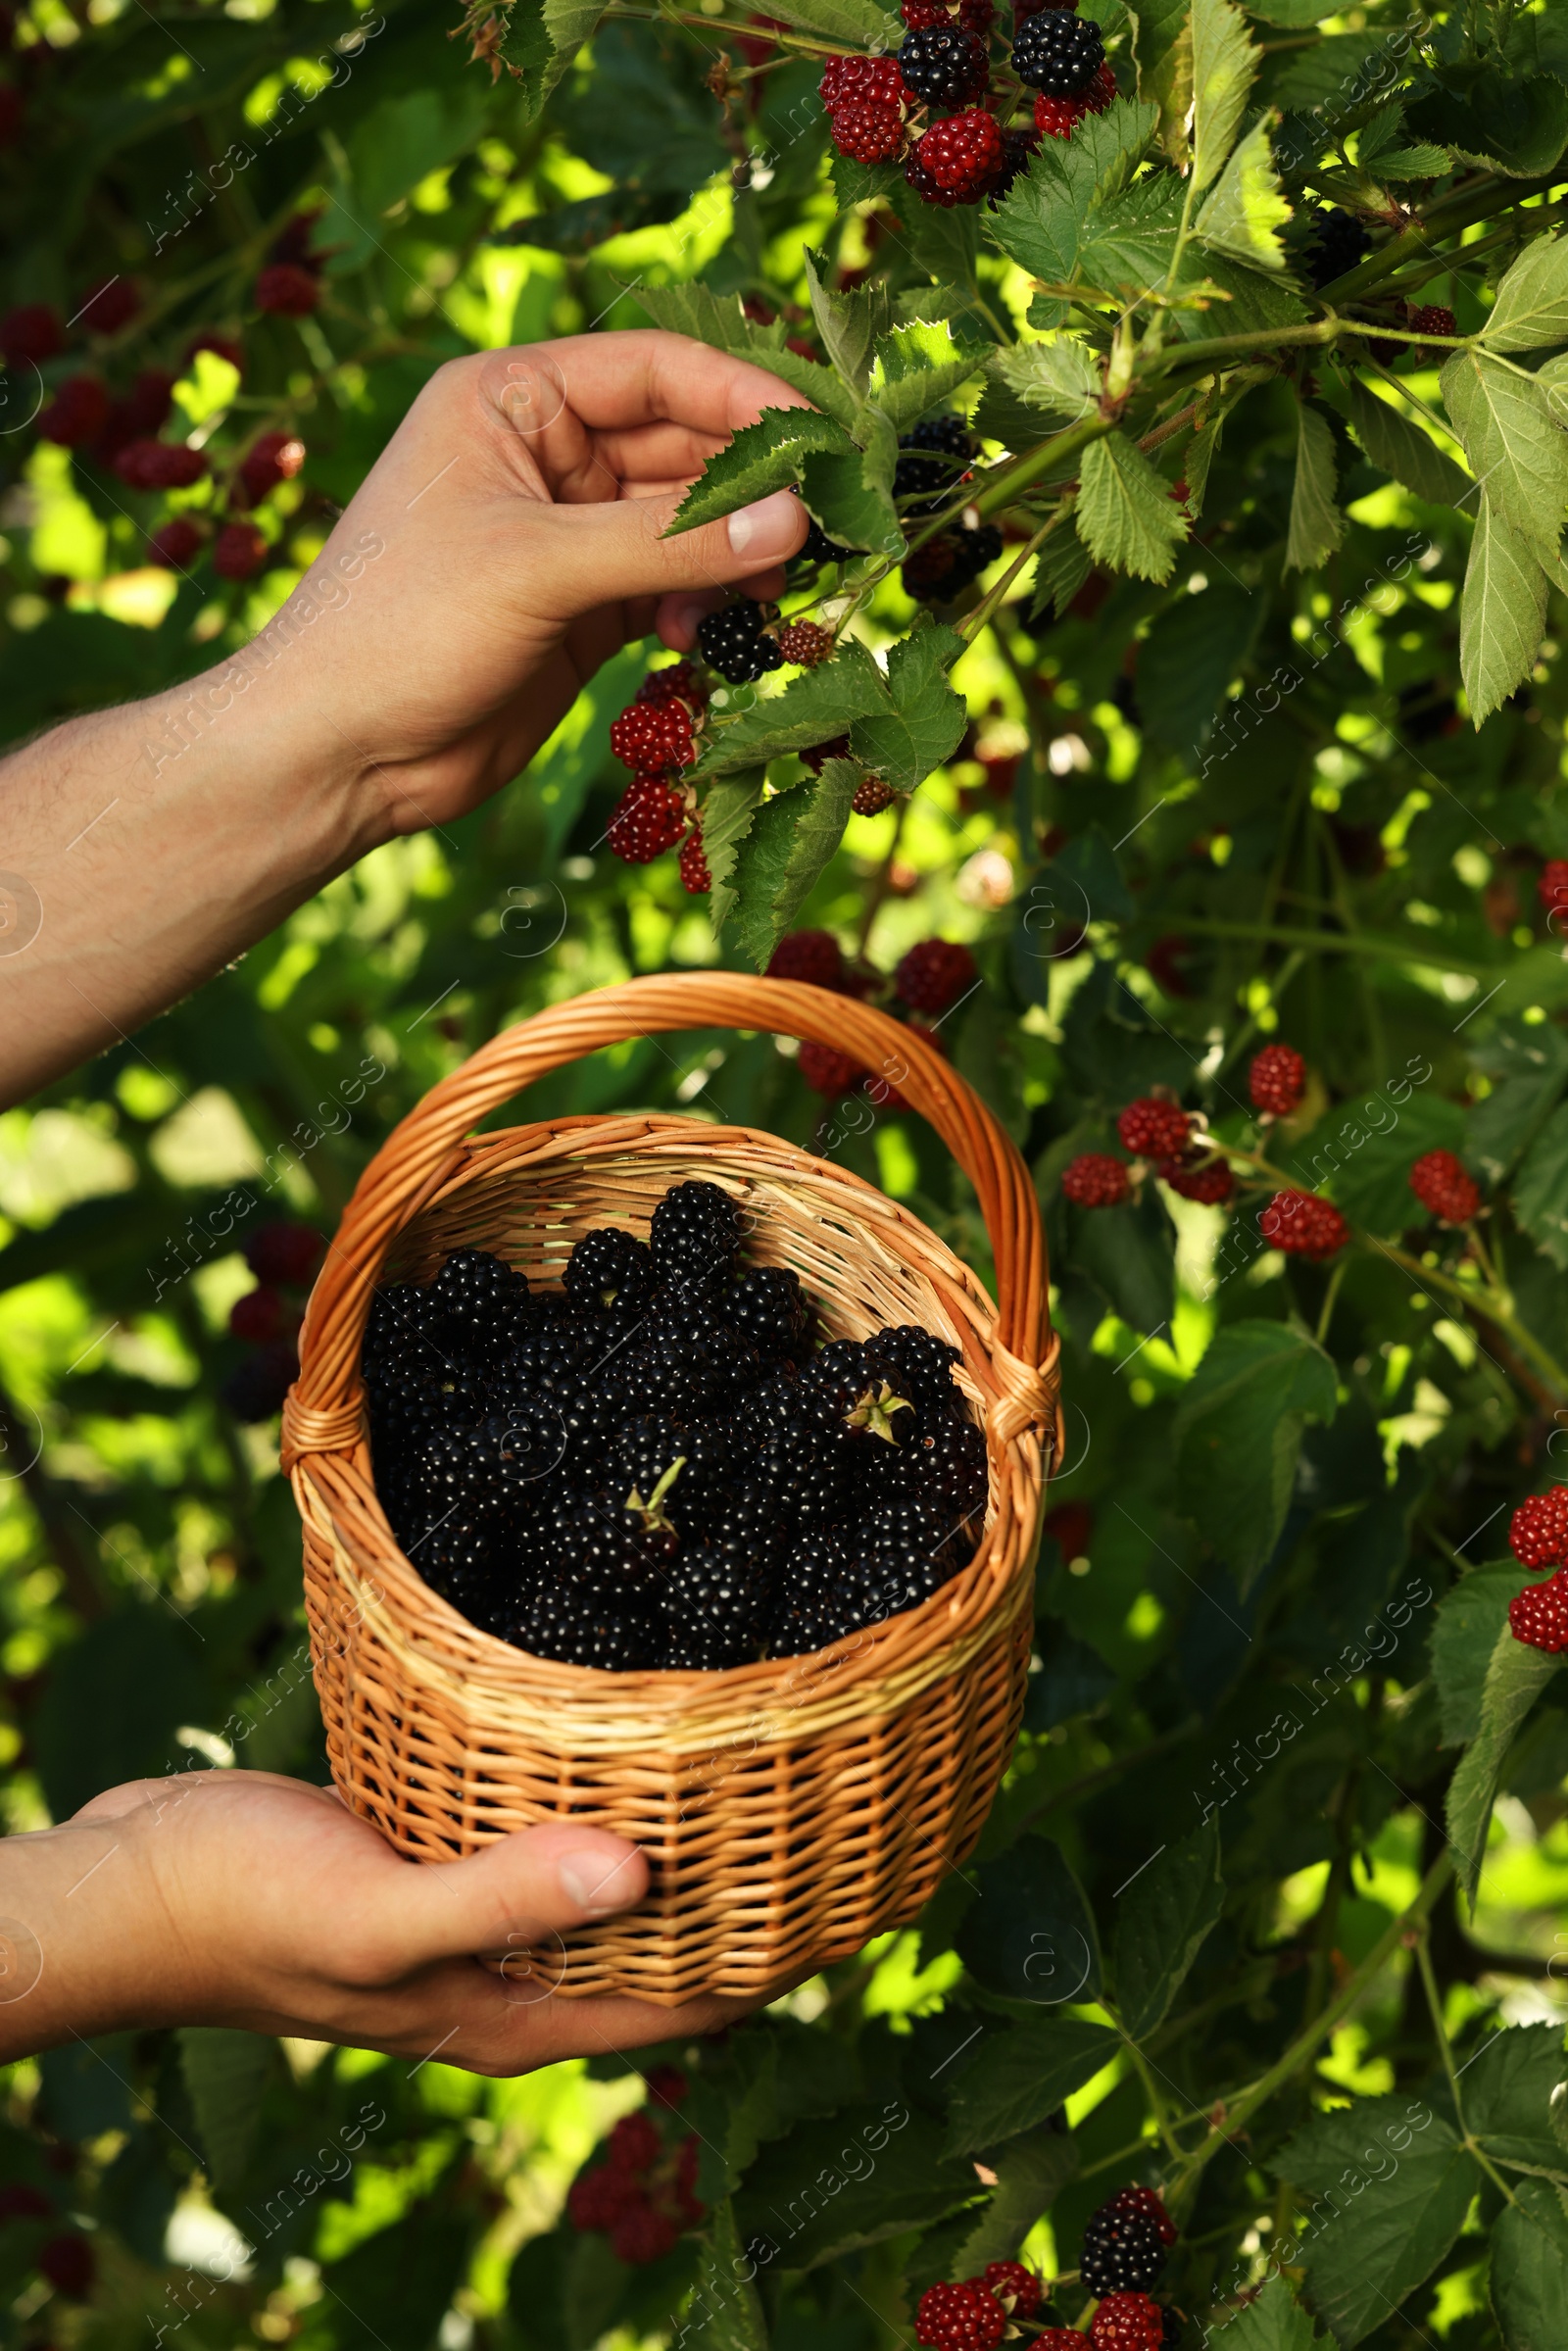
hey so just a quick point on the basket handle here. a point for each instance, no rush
(324, 1407)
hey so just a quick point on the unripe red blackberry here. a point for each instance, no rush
(933, 975)
(275, 457)
(868, 133)
(285, 290)
(876, 81)
(872, 797)
(1276, 1079)
(1442, 1185)
(678, 682)
(175, 544)
(1153, 1129)
(282, 1250)
(1096, 1180)
(1059, 118)
(805, 643)
(943, 65)
(1537, 1533)
(1101, 91)
(649, 737)
(1010, 2280)
(1303, 1225)
(160, 466)
(33, 330)
(977, 17)
(1430, 318)
(693, 873)
(813, 956)
(77, 414)
(108, 306)
(649, 820)
(1552, 887)
(1148, 2201)
(1127, 2323)
(240, 551)
(827, 1071)
(1195, 1177)
(214, 339)
(929, 192)
(963, 153)
(261, 1315)
(960, 2318)
(1539, 1615)
(1058, 52)
(916, 13)
(820, 754)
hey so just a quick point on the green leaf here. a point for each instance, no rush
(1189, 657)
(1248, 207)
(1414, 162)
(719, 320)
(1164, 1917)
(1128, 1252)
(925, 720)
(226, 2074)
(1059, 376)
(1022, 2077)
(1464, 1638)
(1370, 1164)
(1528, 1067)
(812, 708)
(780, 857)
(919, 365)
(1125, 514)
(1239, 1431)
(1502, 613)
(1512, 123)
(725, 2311)
(1031, 1936)
(1031, 2173)
(1541, 1189)
(1387, 2185)
(1511, 442)
(1400, 447)
(849, 322)
(1224, 68)
(1527, 2276)
(1531, 310)
(1061, 569)
(849, 492)
(859, 24)
(1316, 523)
(1507, 2089)
(1162, 46)
(727, 811)
(761, 458)
(1273, 2322)
(867, 2173)
(1043, 221)
(1516, 1676)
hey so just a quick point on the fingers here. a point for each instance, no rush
(596, 555)
(512, 1893)
(635, 377)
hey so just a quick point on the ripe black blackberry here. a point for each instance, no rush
(519, 1449)
(943, 65)
(478, 1307)
(733, 641)
(695, 1233)
(899, 1558)
(819, 549)
(456, 1558)
(610, 1268)
(711, 1598)
(1123, 2252)
(393, 1334)
(846, 1394)
(1338, 243)
(577, 1626)
(1058, 52)
(921, 1362)
(804, 1470)
(940, 453)
(807, 1608)
(772, 1309)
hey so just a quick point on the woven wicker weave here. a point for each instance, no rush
(790, 1811)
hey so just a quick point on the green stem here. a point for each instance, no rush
(972, 624)
(1035, 461)
(1154, 2094)
(1451, 213)
(1329, 1297)
(1344, 942)
(1490, 1308)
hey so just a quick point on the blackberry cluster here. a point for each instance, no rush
(656, 1466)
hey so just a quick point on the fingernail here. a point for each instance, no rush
(585, 1881)
(767, 529)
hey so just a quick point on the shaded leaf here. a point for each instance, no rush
(849, 322)
(1190, 657)
(1386, 2188)
(1247, 210)
(1163, 1919)
(1516, 1676)
(1316, 523)
(1502, 611)
(849, 492)
(867, 2173)
(725, 2312)
(1508, 2087)
(812, 708)
(1022, 2077)
(1464, 1638)
(790, 840)
(1508, 122)
(1400, 447)
(1124, 514)
(727, 812)
(1529, 2270)
(859, 23)
(1061, 567)
(1239, 1431)
(1031, 1935)
(1528, 1067)
(226, 2074)
(1274, 2321)
(1541, 1189)
(1031, 2173)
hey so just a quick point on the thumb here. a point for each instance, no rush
(518, 1891)
(615, 551)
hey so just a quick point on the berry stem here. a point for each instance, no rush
(1429, 1984)
(1157, 2106)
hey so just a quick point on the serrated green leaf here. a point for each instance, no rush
(1400, 447)
(726, 814)
(1061, 569)
(1421, 162)
(1274, 2321)
(777, 864)
(849, 323)
(1541, 1190)
(1514, 447)
(1502, 613)
(1042, 222)
(1224, 68)
(1386, 2186)
(725, 2312)
(1531, 310)
(859, 24)
(766, 456)
(924, 720)
(849, 493)
(226, 2074)
(1125, 514)
(1316, 523)
(918, 364)
(1031, 2173)
(1190, 656)
(1238, 1433)
(869, 2172)
(1164, 1918)
(1515, 1678)
(1247, 207)
(1200, 452)
(1508, 122)
(1529, 2270)
(812, 708)
(1553, 377)
(1129, 241)
(719, 320)
(1020, 2078)
(1162, 46)
(1058, 376)
(1464, 1637)
(1507, 2089)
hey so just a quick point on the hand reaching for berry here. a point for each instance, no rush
(508, 541)
(231, 1897)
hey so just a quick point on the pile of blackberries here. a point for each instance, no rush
(658, 1465)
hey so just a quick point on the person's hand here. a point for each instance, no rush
(232, 1897)
(520, 505)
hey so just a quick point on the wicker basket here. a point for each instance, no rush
(790, 1811)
